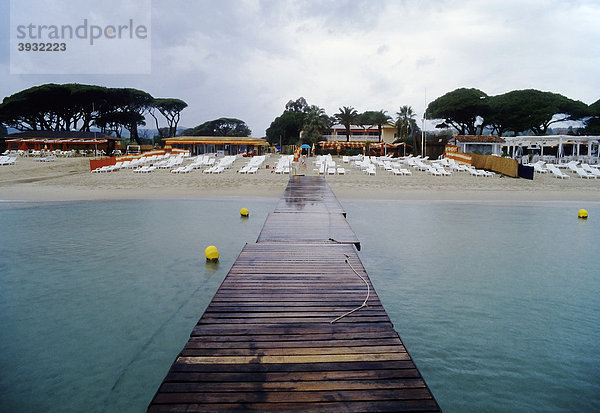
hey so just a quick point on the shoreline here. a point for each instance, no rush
(69, 179)
(21, 194)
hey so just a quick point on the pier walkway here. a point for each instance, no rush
(268, 340)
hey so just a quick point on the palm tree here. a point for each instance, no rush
(364, 120)
(406, 122)
(316, 122)
(380, 119)
(347, 116)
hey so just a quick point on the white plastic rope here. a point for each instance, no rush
(364, 304)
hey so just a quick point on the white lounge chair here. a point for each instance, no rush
(443, 171)
(11, 160)
(474, 172)
(583, 174)
(557, 172)
(590, 170)
(432, 171)
(539, 168)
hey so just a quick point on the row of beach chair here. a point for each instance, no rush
(8, 159)
(253, 165)
(583, 170)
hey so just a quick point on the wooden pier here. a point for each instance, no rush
(266, 341)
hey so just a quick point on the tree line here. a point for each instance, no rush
(220, 127)
(470, 111)
(301, 122)
(73, 106)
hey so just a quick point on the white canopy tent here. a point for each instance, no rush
(516, 145)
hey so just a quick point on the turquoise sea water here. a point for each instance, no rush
(499, 304)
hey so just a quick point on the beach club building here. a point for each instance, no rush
(59, 140)
(484, 145)
(221, 145)
(389, 133)
(549, 147)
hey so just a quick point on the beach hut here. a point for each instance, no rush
(64, 140)
(485, 145)
(337, 132)
(227, 145)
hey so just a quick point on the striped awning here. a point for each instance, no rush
(340, 144)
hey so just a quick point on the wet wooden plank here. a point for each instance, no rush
(308, 227)
(320, 407)
(309, 194)
(293, 384)
(297, 376)
(368, 367)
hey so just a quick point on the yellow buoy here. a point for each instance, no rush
(244, 212)
(212, 253)
(582, 214)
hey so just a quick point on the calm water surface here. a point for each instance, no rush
(498, 304)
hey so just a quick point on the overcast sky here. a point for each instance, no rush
(247, 58)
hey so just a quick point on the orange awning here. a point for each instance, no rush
(341, 144)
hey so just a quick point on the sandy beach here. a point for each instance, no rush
(70, 179)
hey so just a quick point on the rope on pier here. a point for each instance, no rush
(364, 304)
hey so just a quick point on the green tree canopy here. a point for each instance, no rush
(405, 121)
(346, 116)
(380, 118)
(407, 125)
(593, 123)
(130, 105)
(171, 109)
(286, 128)
(298, 105)
(220, 127)
(532, 110)
(463, 109)
(74, 106)
(316, 123)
